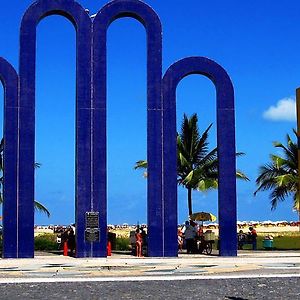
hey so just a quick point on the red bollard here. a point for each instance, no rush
(109, 248)
(65, 249)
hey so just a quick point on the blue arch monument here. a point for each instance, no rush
(91, 103)
(225, 144)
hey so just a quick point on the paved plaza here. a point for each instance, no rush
(251, 275)
(58, 267)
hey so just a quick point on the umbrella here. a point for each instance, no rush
(203, 216)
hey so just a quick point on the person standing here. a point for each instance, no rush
(71, 242)
(190, 235)
(253, 237)
(180, 240)
(242, 238)
(139, 243)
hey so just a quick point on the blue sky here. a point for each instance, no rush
(255, 41)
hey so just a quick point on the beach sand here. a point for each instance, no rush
(261, 230)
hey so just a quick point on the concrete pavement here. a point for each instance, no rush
(47, 268)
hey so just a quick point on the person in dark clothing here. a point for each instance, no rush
(242, 238)
(252, 237)
(64, 238)
(71, 242)
(144, 236)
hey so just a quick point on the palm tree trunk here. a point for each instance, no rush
(190, 200)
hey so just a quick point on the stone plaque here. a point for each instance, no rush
(91, 220)
(92, 235)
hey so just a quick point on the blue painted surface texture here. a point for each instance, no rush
(82, 24)
(225, 144)
(91, 141)
(143, 13)
(10, 81)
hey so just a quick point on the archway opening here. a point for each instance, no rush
(55, 123)
(126, 126)
(197, 95)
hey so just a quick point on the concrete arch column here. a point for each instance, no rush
(82, 23)
(144, 14)
(226, 151)
(10, 82)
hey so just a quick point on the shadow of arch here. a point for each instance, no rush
(10, 82)
(82, 23)
(225, 144)
(144, 14)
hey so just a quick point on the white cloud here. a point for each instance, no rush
(285, 110)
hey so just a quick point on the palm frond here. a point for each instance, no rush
(141, 164)
(40, 207)
(211, 156)
(296, 204)
(37, 165)
(278, 161)
(241, 175)
(2, 145)
(279, 194)
(207, 184)
(238, 154)
(202, 147)
(281, 176)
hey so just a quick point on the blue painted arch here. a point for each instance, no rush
(144, 14)
(10, 82)
(82, 23)
(226, 151)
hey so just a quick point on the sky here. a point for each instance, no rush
(255, 41)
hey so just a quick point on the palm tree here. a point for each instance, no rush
(37, 205)
(281, 175)
(197, 166)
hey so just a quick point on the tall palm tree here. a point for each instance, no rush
(37, 205)
(281, 175)
(197, 166)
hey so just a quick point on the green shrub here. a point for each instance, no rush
(46, 241)
(122, 244)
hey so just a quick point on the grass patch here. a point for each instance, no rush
(45, 242)
(287, 241)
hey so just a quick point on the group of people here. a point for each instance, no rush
(68, 236)
(191, 232)
(247, 238)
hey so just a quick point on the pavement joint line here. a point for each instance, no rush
(143, 278)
